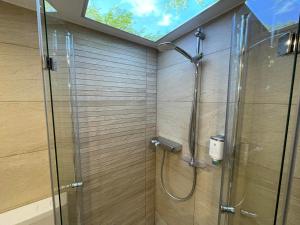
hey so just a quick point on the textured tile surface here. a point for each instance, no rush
(24, 162)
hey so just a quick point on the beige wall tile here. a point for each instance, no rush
(207, 196)
(175, 83)
(159, 220)
(218, 34)
(24, 162)
(23, 128)
(25, 90)
(173, 120)
(211, 121)
(178, 178)
(293, 213)
(26, 177)
(18, 26)
(19, 63)
(214, 77)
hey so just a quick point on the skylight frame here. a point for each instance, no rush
(165, 36)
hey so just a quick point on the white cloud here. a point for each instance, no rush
(166, 20)
(143, 7)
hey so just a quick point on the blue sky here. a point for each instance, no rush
(275, 13)
(154, 16)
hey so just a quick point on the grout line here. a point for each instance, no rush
(19, 45)
(25, 101)
(23, 153)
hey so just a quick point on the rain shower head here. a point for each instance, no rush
(171, 46)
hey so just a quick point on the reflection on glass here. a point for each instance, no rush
(150, 19)
(49, 8)
(275, 14)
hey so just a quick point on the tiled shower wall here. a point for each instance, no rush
(174, 97)
(116, 98)
(24, 162)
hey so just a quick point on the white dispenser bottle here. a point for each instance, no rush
(216, 146)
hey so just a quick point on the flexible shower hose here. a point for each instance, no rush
(173, 196)
(192, 146)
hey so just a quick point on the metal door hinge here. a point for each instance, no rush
(50, 64)
(287, 44)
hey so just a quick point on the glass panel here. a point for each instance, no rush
(103, 98)
(260, 99)
(62, 115)
(280, 13)
(148, 19)
(25, 189)
(290, 198)
(292, 216)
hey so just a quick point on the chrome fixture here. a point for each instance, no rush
(171, 46)
(227, 209)
(78, 184)
(287, 44)
(155, 142)
(193, 118)
(248, 214)
(166, 144)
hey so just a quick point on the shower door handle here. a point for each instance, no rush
(72, 185)
(76, 184)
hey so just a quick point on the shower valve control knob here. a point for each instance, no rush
(155, 142)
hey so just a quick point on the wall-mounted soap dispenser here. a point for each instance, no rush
(216, 146)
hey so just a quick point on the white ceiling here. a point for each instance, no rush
(72, 11)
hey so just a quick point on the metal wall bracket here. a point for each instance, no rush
(195, 163)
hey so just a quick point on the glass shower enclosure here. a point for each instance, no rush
(62, 115)
(260, 181)
(261, 138)
(100, 121)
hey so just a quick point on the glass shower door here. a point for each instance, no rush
(59, 78)
(260, 116)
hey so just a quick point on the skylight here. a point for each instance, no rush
(275, 14)
(149, 19)
(49, 8)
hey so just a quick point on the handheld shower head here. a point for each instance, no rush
(171, 46)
